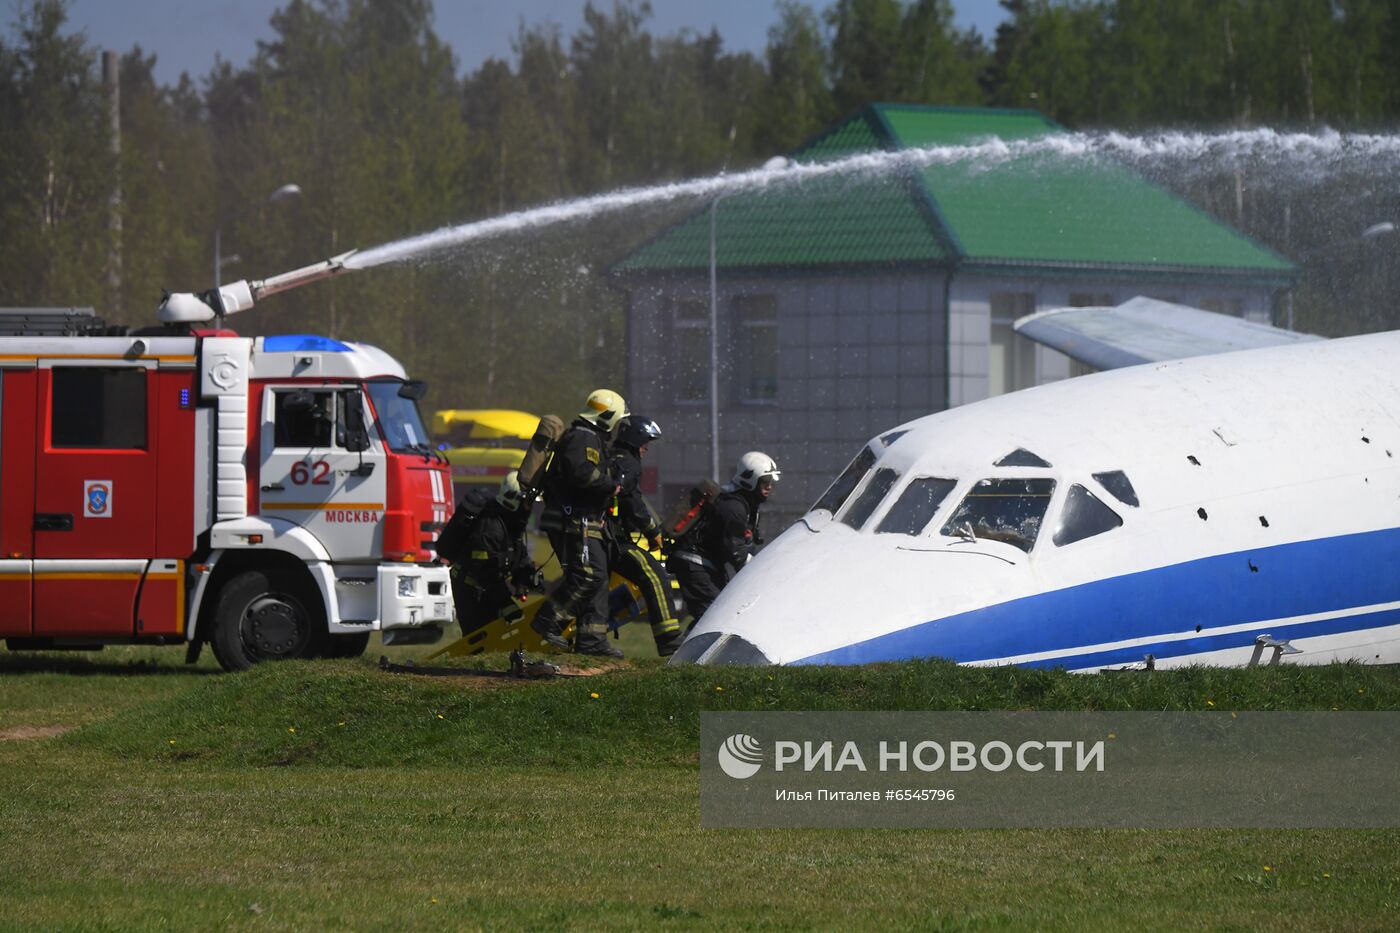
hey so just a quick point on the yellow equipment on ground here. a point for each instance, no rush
(500, 634)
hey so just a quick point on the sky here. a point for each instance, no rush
(185, 35)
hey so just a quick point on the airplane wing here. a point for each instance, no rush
(1145, 330)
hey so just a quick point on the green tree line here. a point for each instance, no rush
(362, 104)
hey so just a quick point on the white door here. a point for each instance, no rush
(310, 473)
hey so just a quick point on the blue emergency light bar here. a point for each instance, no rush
(303, 343)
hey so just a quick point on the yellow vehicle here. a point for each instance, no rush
(483, 444)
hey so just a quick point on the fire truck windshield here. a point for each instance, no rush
(398, 417)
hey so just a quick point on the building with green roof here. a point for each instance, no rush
(852, 301)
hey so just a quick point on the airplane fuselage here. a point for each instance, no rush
(1231, 509)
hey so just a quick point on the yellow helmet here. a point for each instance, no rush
(605, 408)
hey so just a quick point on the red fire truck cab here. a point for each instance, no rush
(275, 497)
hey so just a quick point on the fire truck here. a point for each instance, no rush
(275, 497)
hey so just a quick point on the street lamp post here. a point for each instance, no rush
(714, 350)
(777, 163)
(281, 194)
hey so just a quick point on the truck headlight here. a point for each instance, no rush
(408, 587)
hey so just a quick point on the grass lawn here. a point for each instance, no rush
(329, 794)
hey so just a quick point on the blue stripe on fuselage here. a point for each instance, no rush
(1303, 578)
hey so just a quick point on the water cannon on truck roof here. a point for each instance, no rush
(275, 496)
(189, 308)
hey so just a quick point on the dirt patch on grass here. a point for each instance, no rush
(22, 733)
(493, 678)
(591, 668)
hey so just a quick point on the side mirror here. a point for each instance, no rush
(414, 389)
(356, 434)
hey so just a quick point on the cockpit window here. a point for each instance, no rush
(870, 497)
(1006, 510)
(890, 438)
(850, 478)
(1083, 517)
(912, 511)
(736, 650)
(1119, 486)
(1021, 457)
(694, 647)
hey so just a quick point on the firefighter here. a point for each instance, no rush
(633, 516)
(725, 537)
(577, 492)
(497, 570)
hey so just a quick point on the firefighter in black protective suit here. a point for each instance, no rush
(498, 570)
(633, 516)
(577, 493)
(723, 540)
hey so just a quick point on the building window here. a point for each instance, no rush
(98, 408)
(757, 317)
(1223, 305)
(1011, 357)
(690, 366)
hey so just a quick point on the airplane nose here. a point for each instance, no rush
(769, 613)
(811, 593)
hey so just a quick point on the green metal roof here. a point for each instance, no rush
(1037, 213)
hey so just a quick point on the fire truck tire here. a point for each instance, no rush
(266, 615)
(345, 646)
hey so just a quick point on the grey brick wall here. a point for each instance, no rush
(856, 356)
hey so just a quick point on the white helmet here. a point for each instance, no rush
(509, 494)
(754, 466)
(605, 408)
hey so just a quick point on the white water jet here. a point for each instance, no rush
(1315, 156)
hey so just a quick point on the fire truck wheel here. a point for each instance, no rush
(265, 615)
(345, 646)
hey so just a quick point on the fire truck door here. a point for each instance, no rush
(310, 473)
(94, 508)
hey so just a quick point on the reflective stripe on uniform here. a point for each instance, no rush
(663, 596)
(690, 557)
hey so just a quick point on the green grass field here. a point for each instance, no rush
(330, 794)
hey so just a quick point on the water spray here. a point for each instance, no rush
(1314, 155)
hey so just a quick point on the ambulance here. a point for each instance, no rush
(274, 497)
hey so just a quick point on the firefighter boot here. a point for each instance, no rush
(548, 625)
(593, 639)
(668, 642)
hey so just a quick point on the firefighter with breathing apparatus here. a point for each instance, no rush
(492, 569)
(577, 493)
(632, 517)
(718, 545)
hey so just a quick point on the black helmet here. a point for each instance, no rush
(637, 430)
